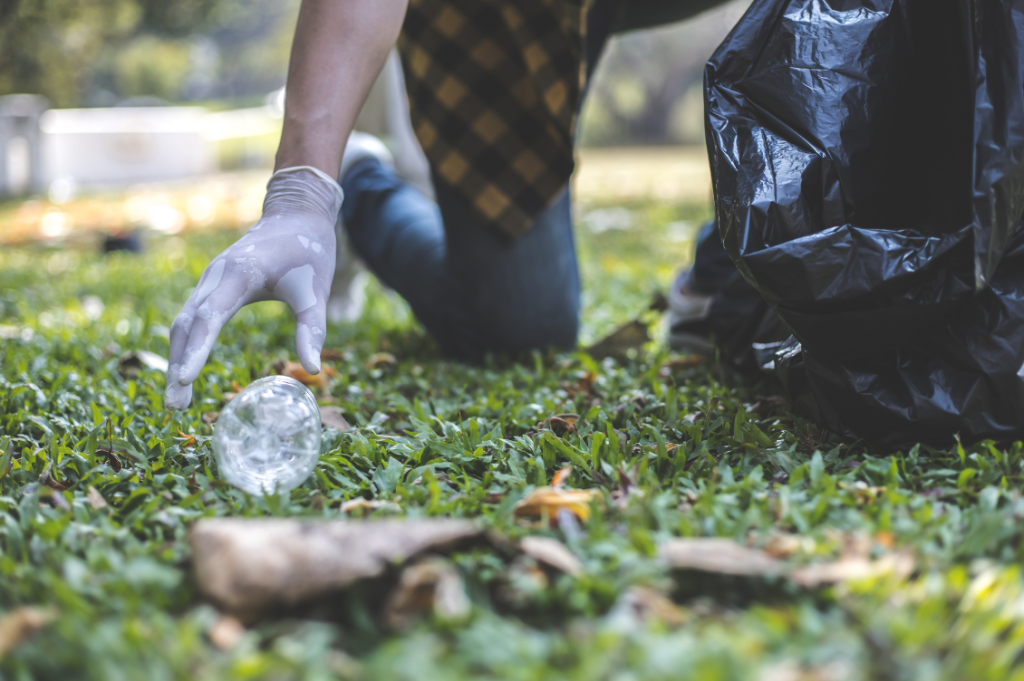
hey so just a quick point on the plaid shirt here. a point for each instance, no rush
(494, 91)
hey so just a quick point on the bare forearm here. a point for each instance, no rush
(339, 48)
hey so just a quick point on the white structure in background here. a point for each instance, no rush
(21, 163)
(125, 145)
(62, 149)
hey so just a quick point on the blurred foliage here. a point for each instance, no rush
(435, 438)
(647, 88)
(97, 52)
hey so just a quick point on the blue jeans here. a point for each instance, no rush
(472, 291)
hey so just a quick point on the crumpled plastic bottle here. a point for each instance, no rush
(267, 439)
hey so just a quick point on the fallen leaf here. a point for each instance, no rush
(562, 424)
(367, 505)
(630, 336)
(585, 385)
(130, 363)
(726, 557)
(47, 479)
(332, 354)
(190, 440)
(719, 556)
(677, 364)
(18, 624)
(782, 545)
(247, 565)
(380, 359)
(643, 604)
(210, 417)
(432, 586)
(331, 417)
(551, 500)
(845, 569)
(295, 370)
(559, 478)
(226, 632)
(112, 459)
(96, 499)
(552, 553)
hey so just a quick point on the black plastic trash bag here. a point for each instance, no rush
(868, 167)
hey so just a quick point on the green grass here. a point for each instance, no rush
(117, 577)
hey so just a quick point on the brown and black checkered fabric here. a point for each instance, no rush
(494, 91)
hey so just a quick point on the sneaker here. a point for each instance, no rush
(361, 146)
(348, 288)
(689, 318)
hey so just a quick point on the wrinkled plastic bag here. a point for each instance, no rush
(868, 167)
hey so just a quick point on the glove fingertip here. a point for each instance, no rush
(308, 347)
(178, 395)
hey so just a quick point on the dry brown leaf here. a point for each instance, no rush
(332, 417)
(226, 632)
(559, 478)
(552, 553)
(782, 545)
(551, 500)
(724, 556)
(96, 499)
(294, 370)
(210, 417)
(561, 424)
(586, 384)
(677, 364)
(720, 556)
(380, 359)
(47, 479)
(367, 505)
(247, 565)
(845, 569)
(332, 354)
(18, 624)
(432, 586)
(641, 604)
(630, 336)
(112, 459)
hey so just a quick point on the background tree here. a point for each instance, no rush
(87, 52)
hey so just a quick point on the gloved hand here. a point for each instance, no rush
(288, 256)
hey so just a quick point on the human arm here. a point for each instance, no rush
(339, 47)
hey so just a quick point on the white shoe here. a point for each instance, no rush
(348, 288)
(361, 146)
(688, 314)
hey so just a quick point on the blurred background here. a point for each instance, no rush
(104, 94)
(147, 125)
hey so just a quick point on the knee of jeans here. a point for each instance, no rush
(551, 321)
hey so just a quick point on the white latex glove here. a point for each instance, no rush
(288, 256)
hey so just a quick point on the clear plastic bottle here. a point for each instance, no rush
(267, 439)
